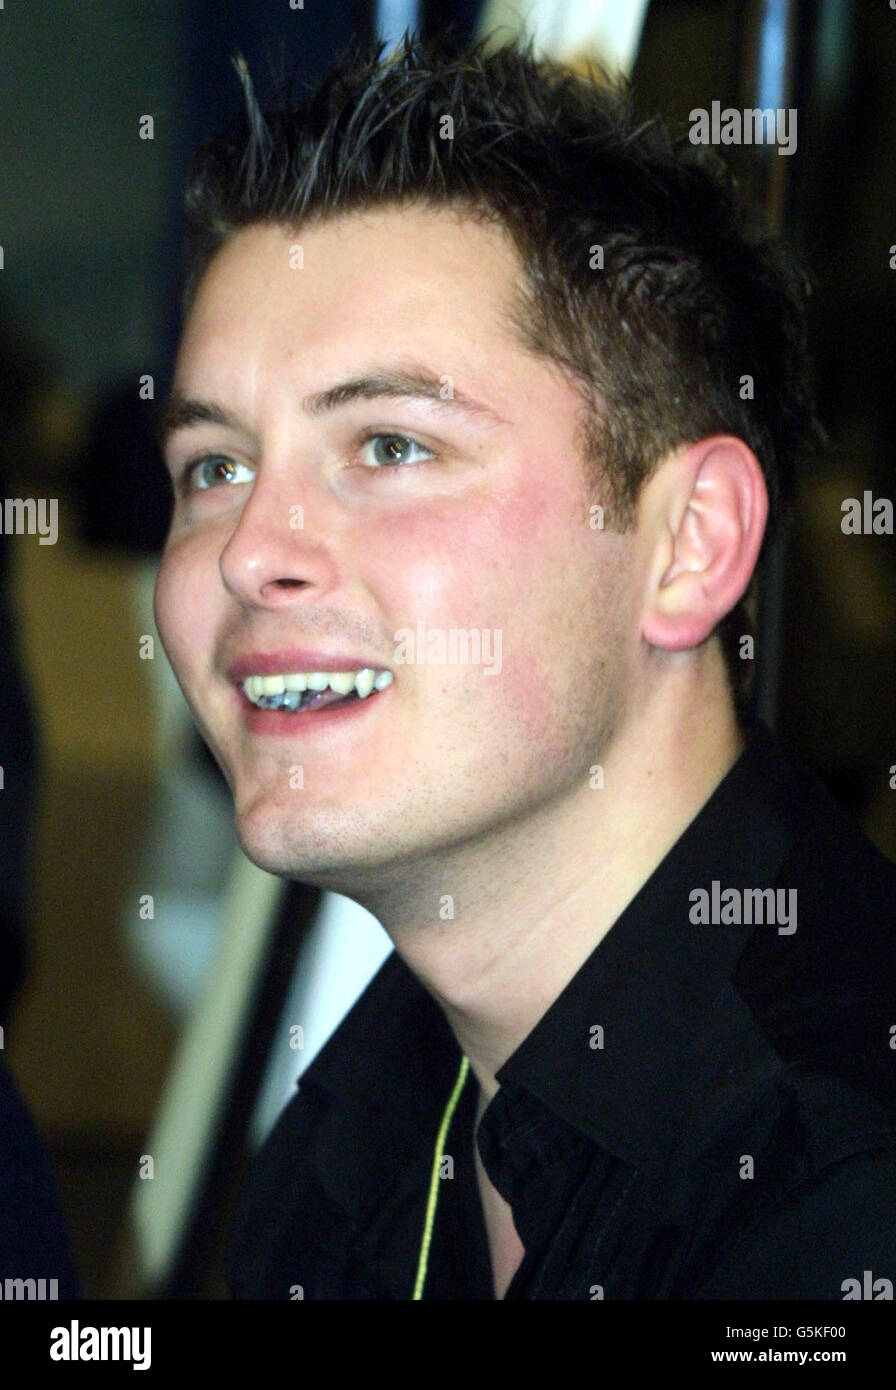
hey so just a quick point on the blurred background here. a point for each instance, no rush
(158, 995)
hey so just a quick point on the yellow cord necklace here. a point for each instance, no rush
(434, 1179)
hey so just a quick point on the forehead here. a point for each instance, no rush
(431, 279)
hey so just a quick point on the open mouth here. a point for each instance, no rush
(306, 691)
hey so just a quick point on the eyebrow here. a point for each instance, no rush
(182, 412)
(415, 382)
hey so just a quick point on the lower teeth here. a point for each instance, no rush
(292, 700)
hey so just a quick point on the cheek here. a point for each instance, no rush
(182, 588)
(544, 565)
(478, 558)
(445, 566)
(510, 565)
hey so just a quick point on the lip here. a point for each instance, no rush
(295, 659)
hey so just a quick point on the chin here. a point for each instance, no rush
(269, 843)
(275, 842)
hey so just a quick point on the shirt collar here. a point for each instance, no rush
(389, 1067)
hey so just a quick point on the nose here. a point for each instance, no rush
(270, 556)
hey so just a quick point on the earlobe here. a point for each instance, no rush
(713, 507)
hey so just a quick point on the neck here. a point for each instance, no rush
(538, 896)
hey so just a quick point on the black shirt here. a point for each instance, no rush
(707, 1110)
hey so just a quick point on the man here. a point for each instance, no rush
(469, 495)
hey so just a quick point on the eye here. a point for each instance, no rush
(212, 469)
(394, 450)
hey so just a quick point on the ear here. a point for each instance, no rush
(703, 512)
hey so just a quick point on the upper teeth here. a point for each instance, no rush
(257, 688)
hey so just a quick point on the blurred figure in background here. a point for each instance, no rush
(21, 378)
(33, 1242)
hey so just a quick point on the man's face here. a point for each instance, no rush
(305, 542)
